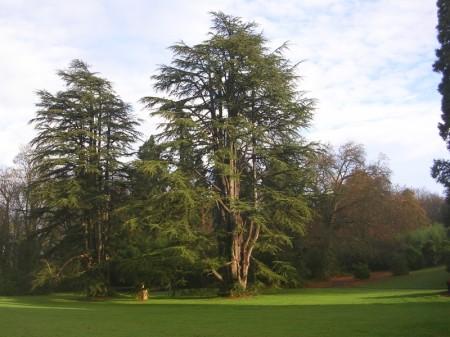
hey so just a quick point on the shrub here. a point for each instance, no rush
(429, 242)
(414, 258)
(97, 288)
(361, 271)
(430, 252)
(399, 265)
(317, 262)
(7, 286)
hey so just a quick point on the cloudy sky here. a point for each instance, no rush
(368, 64)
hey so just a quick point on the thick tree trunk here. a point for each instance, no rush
(237, 233)
(241, 234)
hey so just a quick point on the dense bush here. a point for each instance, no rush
(7, 286)
(361, 271)
(399, 265)
(414, 258)
(425, 247)
(317, 263)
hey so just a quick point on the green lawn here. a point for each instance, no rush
(403, 306)
(430, 278)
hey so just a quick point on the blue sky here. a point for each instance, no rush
(368, 64)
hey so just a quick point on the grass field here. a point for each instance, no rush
(406, 306)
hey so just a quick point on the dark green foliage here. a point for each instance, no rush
(425, 246)
(163, 242)
(442, 65)
(399, 264)
(361, 271)
(446, 255)
(83, 134)
(414, 258)
(233, 116)
(441, 167)
(317, 263)
(19, 246)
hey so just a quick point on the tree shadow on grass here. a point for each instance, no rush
(21, 304)
(406, 296)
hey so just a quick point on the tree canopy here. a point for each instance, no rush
(84, 132)
(234, 113)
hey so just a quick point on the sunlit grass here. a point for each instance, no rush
(305, 312)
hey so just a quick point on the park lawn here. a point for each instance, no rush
(414, 308)
(429, 278)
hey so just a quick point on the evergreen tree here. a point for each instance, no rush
(84, 132)
(441, 167)
(160, 243)
(232, 110)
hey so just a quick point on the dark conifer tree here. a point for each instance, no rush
(83, 134)
(441, 167)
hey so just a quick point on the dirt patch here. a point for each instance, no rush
(348, 281)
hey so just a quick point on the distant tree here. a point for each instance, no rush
(434, 204)
(83, 134)
(232, 113)
(441, 167)
(10, 222)
(20, 241)
(358, 214)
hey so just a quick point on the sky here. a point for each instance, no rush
(367, 64)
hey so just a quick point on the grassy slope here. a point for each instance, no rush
(430, 278)
(307, 312)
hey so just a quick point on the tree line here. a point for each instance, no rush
(230, 194)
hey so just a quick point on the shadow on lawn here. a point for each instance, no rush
(337, 298)
(406, 296)
(13, 303)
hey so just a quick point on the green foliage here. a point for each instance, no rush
(399, 265)
(318, 263)
(162, 244)
(414, 258)
(97, 288)
(83, 134)
(442, 64)
(361, 271)
(425, 246)
(46, 276)
(232, 121)
(8, 285)
(441, 167)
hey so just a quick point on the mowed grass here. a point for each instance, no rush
(430, 278)
(415, 307)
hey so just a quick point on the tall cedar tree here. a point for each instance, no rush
(441, 167)
(233, 116)
(84, 132)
